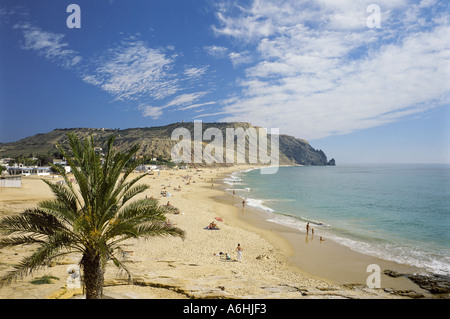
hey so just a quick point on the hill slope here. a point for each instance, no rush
(156, 141)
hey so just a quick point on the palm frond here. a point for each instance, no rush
(133, 191)
(64, 195)
(59, 210)
(146, 230)
(20, 241)
(32, 220)
(151, 229)
(46, 252)
(142, 210)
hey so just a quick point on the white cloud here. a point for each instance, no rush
(193, 106)
(427, 3)
(195, 72)
(179, 101)
(151, 111)
(133, 70)
(48, 44)
(185, 99)
(321, 71)
(216, 51)
(209, 114)
(238, 58)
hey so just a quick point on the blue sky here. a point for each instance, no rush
(313, 68)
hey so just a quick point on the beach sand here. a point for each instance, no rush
(277, 261)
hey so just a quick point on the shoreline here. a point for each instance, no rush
(328, 260)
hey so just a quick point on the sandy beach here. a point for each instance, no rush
(277, 262)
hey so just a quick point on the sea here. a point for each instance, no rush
(397, 212)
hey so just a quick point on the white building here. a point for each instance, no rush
(29, 170)
(63, 163)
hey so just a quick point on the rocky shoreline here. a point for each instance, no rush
(438, 285)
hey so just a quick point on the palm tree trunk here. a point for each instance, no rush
(93, 274)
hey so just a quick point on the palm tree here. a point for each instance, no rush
(92, 217)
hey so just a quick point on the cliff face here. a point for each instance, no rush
(157, 142)
(300, 152)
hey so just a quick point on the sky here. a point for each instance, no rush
(365, 81)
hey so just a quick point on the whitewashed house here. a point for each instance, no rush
(29, 170)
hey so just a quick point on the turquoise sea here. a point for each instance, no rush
(398, 212)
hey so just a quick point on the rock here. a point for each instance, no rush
(434, 283)
(404, 293)
(392, 273)
(354, 286)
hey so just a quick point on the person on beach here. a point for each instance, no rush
(212, 225)
(307, 228)
(243, 203)
(239, 252)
